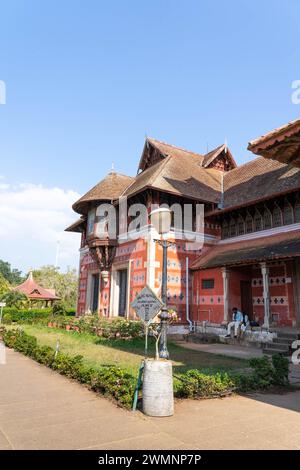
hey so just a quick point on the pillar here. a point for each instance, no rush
(266, 294)
(225, 275)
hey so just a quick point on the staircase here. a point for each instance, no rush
(281, 344)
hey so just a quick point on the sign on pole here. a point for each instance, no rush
(146, 305)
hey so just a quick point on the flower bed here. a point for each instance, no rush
(107, 328)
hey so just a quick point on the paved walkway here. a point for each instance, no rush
(39, 409)
(242, 352)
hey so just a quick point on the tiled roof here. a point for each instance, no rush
(181, 176)
(259, 179)
(275, 135)
(34, 291)
(278, 246)
(213, 154)
(173, 151)
(109, 189)
(77, 226)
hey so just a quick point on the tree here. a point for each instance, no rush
(15, 299)
(13, 276)
(65, 284)
(4, 285)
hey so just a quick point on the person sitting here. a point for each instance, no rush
(245, 323)
(237, 320)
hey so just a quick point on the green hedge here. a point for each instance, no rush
(109, 380)
(34, 315)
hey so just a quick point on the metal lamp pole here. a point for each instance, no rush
(161, 219)
(164, 315)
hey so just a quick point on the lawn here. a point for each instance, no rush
(129, 353)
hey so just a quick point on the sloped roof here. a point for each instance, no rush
(77, 226)
(168, 150)
(281, 144)
(278, 246)
(276, 135)
(181, 176)
(258, 179)
(34, 291)
(108, 189)
(217, 152)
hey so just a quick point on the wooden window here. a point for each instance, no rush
(240, 226)
(249, 224)
(208, 283)
(91, 221)
(297, 211)
(287, 214)
(257, 222)
(277, 221)
(225, 230)
(267, 219)
(232, 228)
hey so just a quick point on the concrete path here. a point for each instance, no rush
(242, 352)
(39, 409)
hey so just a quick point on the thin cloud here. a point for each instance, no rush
(32, 221)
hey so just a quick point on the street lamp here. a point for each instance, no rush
(161, 220)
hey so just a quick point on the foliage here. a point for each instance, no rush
(109, 380)
(195, 384)
(59, 308)
(13, 276)
(4, 285)
(65, 284)
(265, 374)
(15, 299)
(31, 316)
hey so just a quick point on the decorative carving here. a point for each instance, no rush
(103, 255)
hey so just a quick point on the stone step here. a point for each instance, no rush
(287, 341)
(277, 346)
(272, 352)
(286, 335)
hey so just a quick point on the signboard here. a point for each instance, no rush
(146, 305)
(2, 304)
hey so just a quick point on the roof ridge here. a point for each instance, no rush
(174, 146)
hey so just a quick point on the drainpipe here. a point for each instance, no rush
(187, 308)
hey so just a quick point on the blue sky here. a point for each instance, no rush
(87, 80)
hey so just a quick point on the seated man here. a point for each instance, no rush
(237, 320)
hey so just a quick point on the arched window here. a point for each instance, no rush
(232, 228)
(249, 224)
(257, 221)
(267, 219)
(297, 211)
(225, 230)
(91, 221)
(287, 213)
(240, 226)
(277, 221)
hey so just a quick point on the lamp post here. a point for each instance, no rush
(161, 220)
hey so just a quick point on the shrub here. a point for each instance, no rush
(195, 384)
(59, 309)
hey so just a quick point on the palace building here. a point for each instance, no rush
(250, 255)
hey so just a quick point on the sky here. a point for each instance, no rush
(86, 81)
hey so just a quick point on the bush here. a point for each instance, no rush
(195, 384)
(109, 380)
(59, 309)
(265, 374)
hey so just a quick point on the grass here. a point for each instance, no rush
(129, 353)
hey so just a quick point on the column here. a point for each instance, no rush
(225, 275)
(266, 294)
